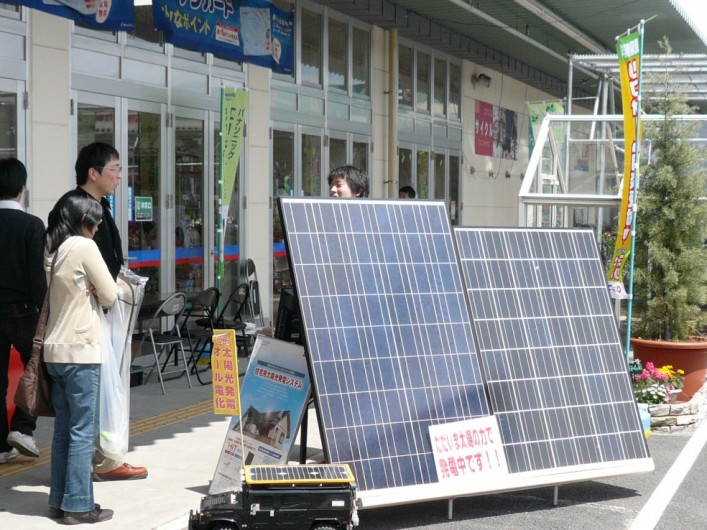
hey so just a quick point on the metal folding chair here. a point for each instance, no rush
(197, 325)
(170, 340)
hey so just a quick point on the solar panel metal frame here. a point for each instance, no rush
(506, 280)
(301, 474)
(422, 229)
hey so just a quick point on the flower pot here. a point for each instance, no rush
(691, 357)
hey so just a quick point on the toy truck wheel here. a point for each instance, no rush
(325, 527)
(224, 526)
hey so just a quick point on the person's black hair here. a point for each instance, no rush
(409, 190)
(13, 177)
(74, 211)
(354, 177)
(95, 155)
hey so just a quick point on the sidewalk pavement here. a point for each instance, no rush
(176, 436)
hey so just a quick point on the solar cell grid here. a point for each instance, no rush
(550, 350)
(303, 473)
(387, 330)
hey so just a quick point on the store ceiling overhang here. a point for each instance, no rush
(529, 40)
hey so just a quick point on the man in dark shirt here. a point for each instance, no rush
(98, 173)
(23, 284)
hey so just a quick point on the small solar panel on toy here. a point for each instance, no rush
(303, 474)
(556, 373)
(387, 331)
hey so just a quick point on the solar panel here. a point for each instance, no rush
(303, 474)
(388, 334)
(556, 374)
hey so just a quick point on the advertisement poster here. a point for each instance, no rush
(251, 31)
(274, 395)
(112, 15)
(496, 131)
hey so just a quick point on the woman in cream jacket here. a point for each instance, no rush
(81, 285)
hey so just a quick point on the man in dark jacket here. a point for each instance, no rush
(98, 173)
(23, 285)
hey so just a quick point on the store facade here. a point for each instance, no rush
(63, 86)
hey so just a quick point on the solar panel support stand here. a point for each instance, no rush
(555, 495)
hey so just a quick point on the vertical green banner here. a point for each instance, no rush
(233, 113)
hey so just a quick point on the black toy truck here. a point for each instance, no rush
(304, 497)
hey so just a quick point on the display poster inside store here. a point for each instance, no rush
(274, 395)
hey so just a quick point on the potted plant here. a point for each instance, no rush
(670, 262)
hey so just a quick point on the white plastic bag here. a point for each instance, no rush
(117, 328)
(114, 420)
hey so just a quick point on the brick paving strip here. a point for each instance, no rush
(137, 427)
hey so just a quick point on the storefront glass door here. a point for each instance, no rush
(145, 199)
(189, 187)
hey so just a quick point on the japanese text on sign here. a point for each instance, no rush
(224, 366)
(466, 449)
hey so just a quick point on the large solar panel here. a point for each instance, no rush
(388, 334)
(550, 350)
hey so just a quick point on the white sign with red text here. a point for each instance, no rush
(468, 449)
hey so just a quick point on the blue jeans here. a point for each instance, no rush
(75, 392)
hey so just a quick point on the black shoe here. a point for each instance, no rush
(58, 513)
(94, 516)
(55, 513)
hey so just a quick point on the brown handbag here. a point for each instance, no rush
(34, 391)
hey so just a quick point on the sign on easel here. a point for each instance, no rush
(273, 398)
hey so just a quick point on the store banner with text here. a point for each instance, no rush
(110, 15)
(628, 48)
(251, 31)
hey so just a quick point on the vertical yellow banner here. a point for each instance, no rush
(224, 368)
(233, 110)
(629, 51)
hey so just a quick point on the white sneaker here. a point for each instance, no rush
(24, 443)
(6, 457)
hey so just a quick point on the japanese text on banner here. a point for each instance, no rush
(224, 366)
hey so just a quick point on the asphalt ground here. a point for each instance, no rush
(179, 439)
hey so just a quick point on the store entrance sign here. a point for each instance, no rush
(143, 208)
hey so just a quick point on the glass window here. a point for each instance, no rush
(455, 98)
(8, 8)
(361, 62)
(189, 204)
(338, 36)
(8, 124)
(405, 167)
(405, 87)
(360, 155)
(144, 25)
(440, 170)
(454, 203)
(311, 165)
(337, 153)
(440, 93)
(423, 174)
(143, 173)
(422, 94)
(311, 48)
(283, 155)
(95, 124)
